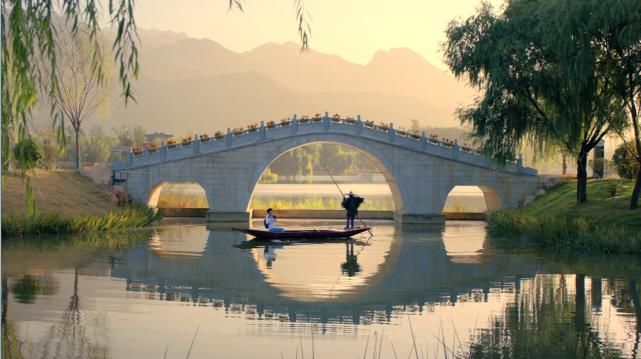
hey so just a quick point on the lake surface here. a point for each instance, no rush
(186, 291)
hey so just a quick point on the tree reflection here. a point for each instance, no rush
(546, 320)
(11, 345)
(30, 287)
(68, 338)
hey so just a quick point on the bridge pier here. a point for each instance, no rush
(414, 219)
(235, 218)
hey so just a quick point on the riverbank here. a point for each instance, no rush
(67, 203)
(554, 222)
(130, 217)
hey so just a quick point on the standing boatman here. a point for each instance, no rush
(351, 204)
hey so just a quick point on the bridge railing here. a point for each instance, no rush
(314, 125)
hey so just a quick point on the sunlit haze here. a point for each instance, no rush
(353, 29)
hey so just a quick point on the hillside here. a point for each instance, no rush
(192, 84)
(63, 192)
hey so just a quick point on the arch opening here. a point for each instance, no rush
(179, 199)
(471, 200)
(298, 178)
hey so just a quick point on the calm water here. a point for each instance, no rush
(434, 291)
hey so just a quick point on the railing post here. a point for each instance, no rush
(455, 149)
(326, 121)
(163, 151)
(519, 163)
(424, 141)
(358, 128)
(228, 137)
(294, 124)
(130, 158)
(391, 133)
(196, 144)
(262, 134)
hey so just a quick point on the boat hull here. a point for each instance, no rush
(310, 234)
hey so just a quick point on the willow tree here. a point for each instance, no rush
(541, 81)
(28, 39)
(615, 26)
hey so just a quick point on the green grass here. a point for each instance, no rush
(133, 216)
(599, 209)
(554, 222)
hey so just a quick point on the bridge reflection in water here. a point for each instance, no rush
(369, 280)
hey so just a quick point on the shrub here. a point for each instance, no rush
(51, 155)
(613, 188)
(120, 196)
(625, 164)
(27, 153)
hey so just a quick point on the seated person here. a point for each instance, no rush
(270, 222)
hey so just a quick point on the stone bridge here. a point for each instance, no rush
(420, 171)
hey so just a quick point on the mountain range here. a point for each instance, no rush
(191, 85)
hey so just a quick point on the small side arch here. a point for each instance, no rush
(471, 199)
(178, 195)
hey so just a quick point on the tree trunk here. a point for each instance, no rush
(77, 149)
(582, 178)
(564, 168)
(634, 199)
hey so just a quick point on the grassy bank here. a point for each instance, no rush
(67, 203)
(64, 192)
(554, 222)
(133, 216)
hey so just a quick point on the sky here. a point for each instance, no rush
(352, 29)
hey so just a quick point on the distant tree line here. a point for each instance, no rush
(340, 160)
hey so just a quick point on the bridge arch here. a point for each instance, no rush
(491, 197)
(378, 161)
(420, 171)
(170, 195)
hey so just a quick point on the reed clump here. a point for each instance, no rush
(132, 216)
(513, 229)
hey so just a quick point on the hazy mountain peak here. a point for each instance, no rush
(398, 56)
(154, 37)
(275, 46)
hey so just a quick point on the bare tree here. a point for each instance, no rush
(79, 86)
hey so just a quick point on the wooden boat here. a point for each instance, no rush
(312, 234)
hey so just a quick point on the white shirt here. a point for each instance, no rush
(270, 221)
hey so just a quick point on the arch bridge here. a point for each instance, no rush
(419, 170)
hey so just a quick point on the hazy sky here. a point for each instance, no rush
(353, 29)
